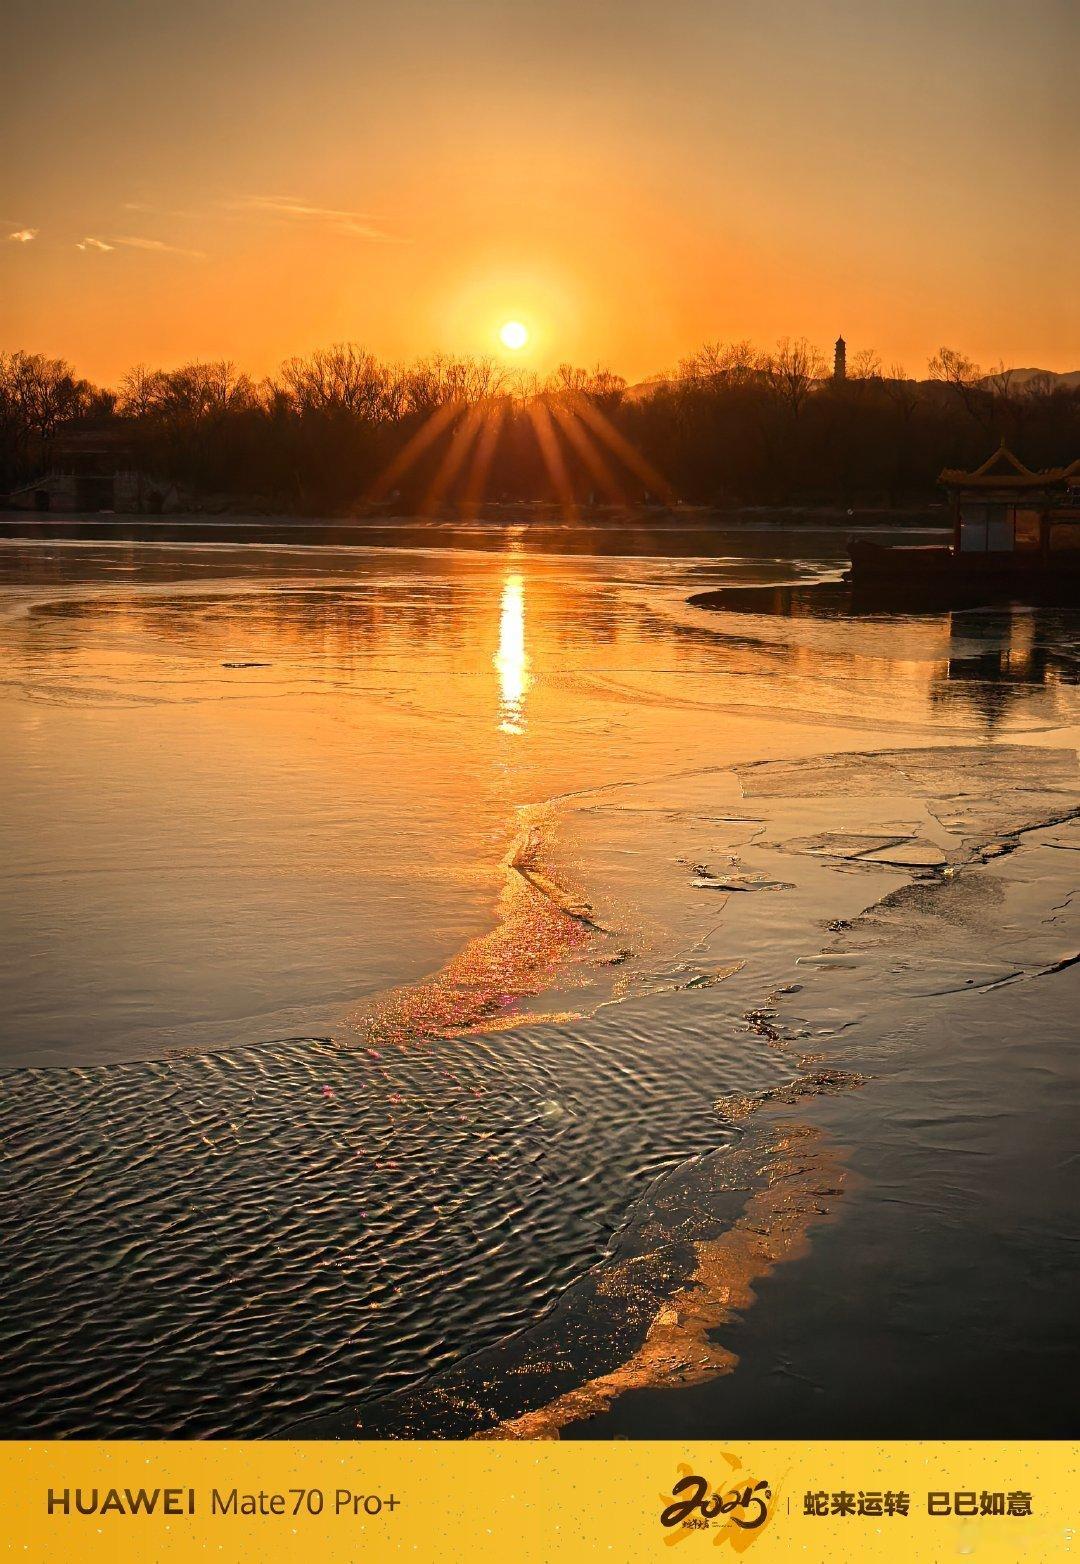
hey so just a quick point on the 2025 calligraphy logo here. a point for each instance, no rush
(738, 1514)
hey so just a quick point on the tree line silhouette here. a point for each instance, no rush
(732, 425)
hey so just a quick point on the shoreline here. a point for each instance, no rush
(255, 526)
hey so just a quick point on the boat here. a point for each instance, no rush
(1016, 532)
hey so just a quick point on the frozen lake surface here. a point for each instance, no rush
(457, 985)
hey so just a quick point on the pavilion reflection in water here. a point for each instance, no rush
(993, 655)
(999, 654)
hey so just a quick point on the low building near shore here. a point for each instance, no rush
(90, 465)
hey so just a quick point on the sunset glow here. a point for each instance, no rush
(850, 177)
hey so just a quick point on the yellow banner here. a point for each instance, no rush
(536, 1502)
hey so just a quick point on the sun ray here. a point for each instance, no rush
(482, 456)
(553, 458)
(413, 449)
(622, 448)
(586, 449)
(455, 454)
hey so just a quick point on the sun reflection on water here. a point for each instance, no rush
(511, 660)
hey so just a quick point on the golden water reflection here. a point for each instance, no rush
(512, 660)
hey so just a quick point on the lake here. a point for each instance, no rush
(453, 984)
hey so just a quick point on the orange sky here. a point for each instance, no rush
(627, 177)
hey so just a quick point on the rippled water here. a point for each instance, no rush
(447, 977)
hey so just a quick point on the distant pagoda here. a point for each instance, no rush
(839, 370)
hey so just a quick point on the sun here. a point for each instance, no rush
(513, 335)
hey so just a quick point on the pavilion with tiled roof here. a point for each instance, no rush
(1004, 507)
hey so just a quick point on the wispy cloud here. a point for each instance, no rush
(360, 225)
(23, 235)
(133, 242)
(160, 246)
(145, 209)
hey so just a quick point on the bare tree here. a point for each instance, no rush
(599, 386)
(902, 392)
(865, 365)
(433, 382)
(140, 391)
(965, 379)
(344, 378)
(41, 393)
(793, 371)
(722, 364)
